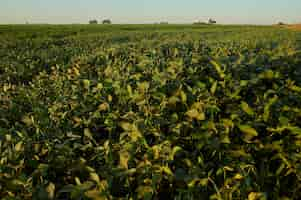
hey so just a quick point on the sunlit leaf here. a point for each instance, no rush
(256, 196)
(195, 114)
(103, 107)
(218, 68)
(124, 157)
(95, 195)
(166, 170)
(18, 146)
(246, 108)
(86, 84)
(183, 96)
(88, 133)
(94, 177)
(144, 192)
(51, 190)
(248, 132)
(213, 87)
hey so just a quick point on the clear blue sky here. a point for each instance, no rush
(149, 11)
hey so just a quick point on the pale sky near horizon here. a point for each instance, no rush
(150, 11)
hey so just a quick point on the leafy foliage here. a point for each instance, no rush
(150, 112)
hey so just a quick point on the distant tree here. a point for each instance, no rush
(211, 21)
(94, 21)
(163, 22)
(281, 23)
(106, 21)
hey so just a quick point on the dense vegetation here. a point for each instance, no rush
(150, 112)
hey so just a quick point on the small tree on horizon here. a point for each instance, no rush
(211, 21)
(107, 21)
(94, 21)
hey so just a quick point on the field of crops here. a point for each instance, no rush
(150, 112)
(295, 27)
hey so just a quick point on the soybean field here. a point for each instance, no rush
(147, 112)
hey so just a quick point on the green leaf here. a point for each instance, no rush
(8, 138)
(103, 107)
(218, 68)
(198, 182)
(267, 107)
(238, 176)
(143, 86)
(248, 131)
(18, 146)
(131, 130)
(144, 192)
(86, 84)
(174, 151)
(173, 100)
(50, 190)
(95, 195)
(129, 90)
(28, 120)
(195, 114)
(226, 140)
(243, 83)
(94, 177)
(269, 74)
(256, 196)
(284, 121)
(167, 170)
(88, 133)
(183, 96)
(246, 108)
(126, 126)
(213, 87)
(295, 130)
(124, 157)
(295, 88)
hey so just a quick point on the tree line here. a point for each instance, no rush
(105, 21)
(108, 21)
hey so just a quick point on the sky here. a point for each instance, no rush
(150, 11)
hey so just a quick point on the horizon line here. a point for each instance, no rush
(147, 23)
